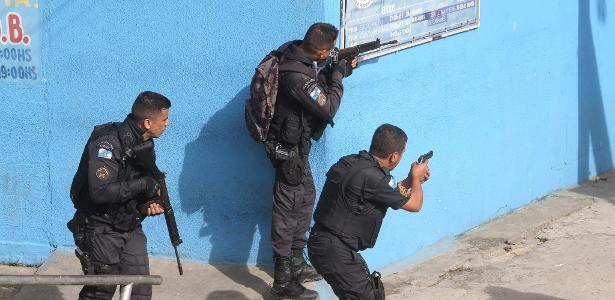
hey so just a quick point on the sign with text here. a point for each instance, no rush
(19, 41)
(409, 22)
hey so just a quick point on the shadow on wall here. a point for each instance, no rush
(502, 293)
(592, 119)
(227, 177)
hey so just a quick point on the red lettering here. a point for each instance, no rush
(15, 30)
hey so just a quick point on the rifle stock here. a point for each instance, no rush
(144, 153)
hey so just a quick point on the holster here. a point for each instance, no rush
(76, 225)
(85, 259)
(377, 286)
(288, 163)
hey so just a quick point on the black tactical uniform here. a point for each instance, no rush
(348, 217)
(108, 191)
(308, 98)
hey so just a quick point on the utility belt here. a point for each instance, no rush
(119, 220)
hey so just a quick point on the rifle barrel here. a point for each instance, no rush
(389, 43)
(179, 264)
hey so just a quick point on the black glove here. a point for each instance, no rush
(343, 67)
(149, 186)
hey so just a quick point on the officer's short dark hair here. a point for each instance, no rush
(387, 139)
(149, 104)
(320, 36)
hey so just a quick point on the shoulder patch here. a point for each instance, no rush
(312, 89)
(315, 92)
(105, 153)
(102, 173)
(105, 145)
(393, 183)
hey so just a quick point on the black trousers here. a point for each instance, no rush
(292, 213)
(344, 269)
(114, 252)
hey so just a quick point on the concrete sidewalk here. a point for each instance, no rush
(556, 248)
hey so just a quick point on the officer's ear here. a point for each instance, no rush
(147, 123)
(394, 158)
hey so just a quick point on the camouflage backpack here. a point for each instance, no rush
(263, 93)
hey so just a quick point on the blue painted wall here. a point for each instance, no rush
(513, 110)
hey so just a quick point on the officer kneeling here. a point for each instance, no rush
(358, 191)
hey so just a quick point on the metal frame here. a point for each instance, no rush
(430, 36)
(126, 282)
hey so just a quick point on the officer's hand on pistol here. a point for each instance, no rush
(355, 62)
(420, 171)
(426, 177)
(154, 209)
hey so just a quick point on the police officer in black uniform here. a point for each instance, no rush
(357, 193)
(113, 193)
(309, 95)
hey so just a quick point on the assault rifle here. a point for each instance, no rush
(351, 52)
(144, 154)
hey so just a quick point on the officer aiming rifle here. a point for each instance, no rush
(351, 52)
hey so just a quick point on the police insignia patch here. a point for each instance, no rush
(102, 173)
(315, 93)
(105, 153)
(393, 183)
(105, 145)
(322, 99)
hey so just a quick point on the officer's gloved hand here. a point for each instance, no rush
(149, 186)
(150, 208)
(344, 67)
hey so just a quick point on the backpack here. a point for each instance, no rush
(260, 105)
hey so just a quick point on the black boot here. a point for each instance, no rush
(301, 270)
(285, 287)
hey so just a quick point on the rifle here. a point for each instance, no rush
(351, 52)
(144, 154)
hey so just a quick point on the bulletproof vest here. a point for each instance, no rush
(334, 211)
(121, 214)
(289, 122)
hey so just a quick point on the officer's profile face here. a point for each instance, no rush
(323, 54)
(155, 126)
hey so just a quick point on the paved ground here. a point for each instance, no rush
(556, 248)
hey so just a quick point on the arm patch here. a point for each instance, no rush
(312, 89)
(105, 153)
(393, 183)
(102, 173)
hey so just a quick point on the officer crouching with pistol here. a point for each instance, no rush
(113, 193)
(357, 193)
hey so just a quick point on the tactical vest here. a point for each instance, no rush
(334, 211)
(289, 114)
(121, 215)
